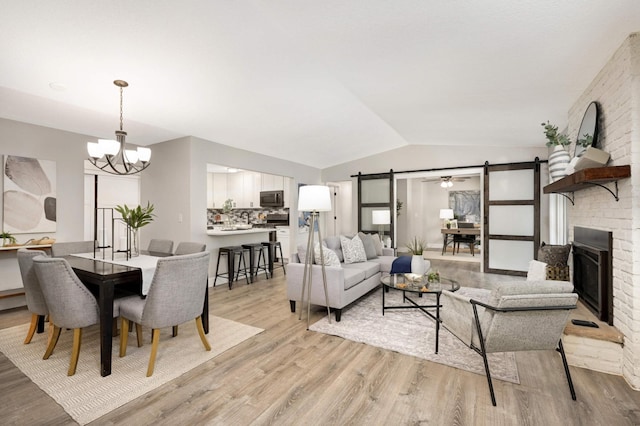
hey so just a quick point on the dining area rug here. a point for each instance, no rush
(411, 332)
(87, 396)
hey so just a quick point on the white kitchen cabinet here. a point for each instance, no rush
(210, 202)
(282, 235)
(219, 189)
(272, 182)
(251, 189)
(234, 188)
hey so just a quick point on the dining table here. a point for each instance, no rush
(108, 280)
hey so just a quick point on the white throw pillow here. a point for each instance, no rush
(353, 249)
(330, 256)
(537, 271)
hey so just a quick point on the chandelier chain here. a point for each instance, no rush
(121, 108)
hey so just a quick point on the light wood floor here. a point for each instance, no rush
(290, 376)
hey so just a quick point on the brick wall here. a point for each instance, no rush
(617, 90)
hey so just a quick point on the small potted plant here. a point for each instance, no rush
(227, 208)
(416, 246)
(6, 236)
(136, 218)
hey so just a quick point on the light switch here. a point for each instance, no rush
(179, 217)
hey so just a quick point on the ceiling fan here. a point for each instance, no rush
(447, 181)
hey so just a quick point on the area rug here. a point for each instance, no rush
(411, 332)
(87, 396)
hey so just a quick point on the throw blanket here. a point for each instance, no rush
(401, 265)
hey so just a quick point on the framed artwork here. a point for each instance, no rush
(454, 223)
(465, 205)
(29, 195)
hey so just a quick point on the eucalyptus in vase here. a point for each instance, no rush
(136, 218)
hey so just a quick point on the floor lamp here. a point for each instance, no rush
(313, 199)
(381, 218)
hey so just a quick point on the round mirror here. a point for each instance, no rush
(588, 132)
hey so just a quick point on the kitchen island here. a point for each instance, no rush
(237, 237)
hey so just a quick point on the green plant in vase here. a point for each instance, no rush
(136, 218)
(416, 246)
(227, 208)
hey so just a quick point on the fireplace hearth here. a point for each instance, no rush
(592, 270)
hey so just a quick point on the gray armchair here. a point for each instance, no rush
(176, 295)
(70, 304)
(71, 247)
(33, 293)
(519, 316)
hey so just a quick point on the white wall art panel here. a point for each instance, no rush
(29, 196)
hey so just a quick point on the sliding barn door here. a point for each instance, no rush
(376, 192)
(511, 217)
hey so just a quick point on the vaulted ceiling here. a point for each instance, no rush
(315, 82)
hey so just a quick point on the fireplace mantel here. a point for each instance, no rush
(586, 178)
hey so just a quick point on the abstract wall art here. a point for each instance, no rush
(29, 195)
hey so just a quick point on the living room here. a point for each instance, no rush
(352, 367)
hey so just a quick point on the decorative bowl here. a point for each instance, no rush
(413, 277)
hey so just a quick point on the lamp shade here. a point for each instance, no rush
(446, 213)
(381, 217)
(314, 198)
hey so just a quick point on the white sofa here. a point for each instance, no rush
(345, 283)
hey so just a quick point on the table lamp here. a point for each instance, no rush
(381, 218)
(446, 215)
(313, 199)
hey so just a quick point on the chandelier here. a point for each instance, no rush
(112, 156)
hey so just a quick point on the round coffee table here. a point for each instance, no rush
(408, 283)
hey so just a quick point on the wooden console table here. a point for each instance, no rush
(456, 231)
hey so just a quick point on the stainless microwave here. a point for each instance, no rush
(271, 198)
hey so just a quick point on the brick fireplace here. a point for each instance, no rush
(616, 88)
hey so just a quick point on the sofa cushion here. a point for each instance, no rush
(334, 244)
(330, 257)
(385, 262)
(352, 249)
(370, 268)
(369, 247)
(352, 277)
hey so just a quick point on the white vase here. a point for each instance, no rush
(558, 162)
(418, 265)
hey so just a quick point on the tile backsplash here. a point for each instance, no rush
(237, 215)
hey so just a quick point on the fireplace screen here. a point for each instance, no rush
(592, 278)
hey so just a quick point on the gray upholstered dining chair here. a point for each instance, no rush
(518, 316)
(66, 248)
(160, 246)
(176, 295)
(187, 247)
(33, 293)
(70, 304)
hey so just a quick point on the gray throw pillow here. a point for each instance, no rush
(330, 257)
(554, 255)
(377, 242)
(333, 243)
(369, 247)
(302, 254)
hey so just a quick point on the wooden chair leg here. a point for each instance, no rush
(155, 338)
(75, 352)
(175, 330)
(124, 337)
(53, 341)
(139, 334)
(32, 328)
(205, 342)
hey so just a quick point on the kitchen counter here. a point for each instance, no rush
(220, 233)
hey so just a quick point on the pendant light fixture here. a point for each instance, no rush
(112, 156)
